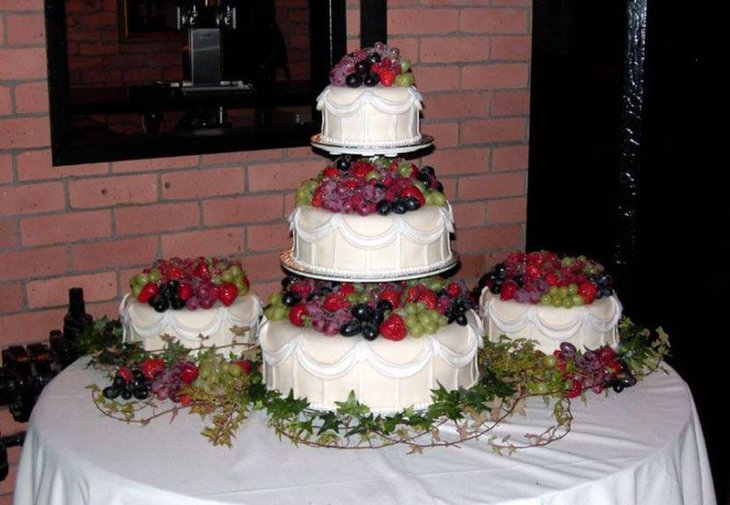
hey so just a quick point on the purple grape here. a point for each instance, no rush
(192, 303)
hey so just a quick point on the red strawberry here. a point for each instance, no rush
(303, 287)
(532, 271)
(148, 291)
(413, 292)
(393, 328)
(413, 192)
(576, 389)
(296, 314)
(387, 76)
(391, 295)
(202, 270)
(376, 67)
(151, 367)
(125, 373)
(360, 169)
(347, 289)
(453, 289)
(244, 365)
(351, 183)
(317, 198)
(174, 273)
(509, 288)
(428, 298)
(335, 302)
(184, 400)
(227, 293)
(552, 279)
(606, 354)
(588, 292)
(184, 291)
(188, 372)
(331, 172)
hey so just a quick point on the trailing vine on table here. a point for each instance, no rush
(223, 390)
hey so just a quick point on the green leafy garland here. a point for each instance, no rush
(510, 372)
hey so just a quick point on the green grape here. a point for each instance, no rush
(373, 174)
(417, 330)
(139, 280)
(578, 300)
(411, 308)
(438, 198)
(572, 289)
(428, 317)
(275, 299)
(553, 291)
(430, 327)
(216, 279)
(411, 320)
(568, 302)
(562, 291)
(443, 321)
(546, 300)
(136, 289)
(236, 271)
(557, 302)
(154, 275)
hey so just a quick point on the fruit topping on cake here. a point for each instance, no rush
(371, 66)
(189, 283)
(392, 310)
(368, 185)
(546, 278)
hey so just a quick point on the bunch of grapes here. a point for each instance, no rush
(371, 66)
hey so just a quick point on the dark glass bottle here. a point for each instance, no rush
(76, 318)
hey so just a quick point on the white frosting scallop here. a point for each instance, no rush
(386, 376)
(370, 117)
(586, 327)
(373, 246)
(142, 323)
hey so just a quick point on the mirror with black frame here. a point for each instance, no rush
(131, 79)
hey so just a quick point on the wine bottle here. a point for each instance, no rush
(76, 319)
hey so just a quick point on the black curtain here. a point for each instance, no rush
(679, 262)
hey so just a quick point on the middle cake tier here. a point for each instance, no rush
(371, 219)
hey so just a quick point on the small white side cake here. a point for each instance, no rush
(586, 327)
(370, 117)
(386, 376)
(373, 246)
(141, 323)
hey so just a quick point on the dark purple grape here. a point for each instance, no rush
(111, 392)
(384, 207)
(362, 68)
(141, 393)
(177, 303)
(351, 328)
(438, 187)
(424, 178)
(287, 281)
(461, 320)
(127, 394)
(353, 81)
(119, 382)
(343, 162)
(371, 80)
(373, 58)
(428, 170)
(370, 331)
(361, 312)
(567, 348)
(384, 305)
(412, 204)
(399, 207)
(291, 298)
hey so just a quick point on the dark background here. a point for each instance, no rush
(679, 269)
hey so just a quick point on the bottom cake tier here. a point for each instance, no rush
(385, 375)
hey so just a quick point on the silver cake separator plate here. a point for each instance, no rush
(388, 151)
(294, 267)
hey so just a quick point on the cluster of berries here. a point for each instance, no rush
(391, 309)
(371, 66)
(591, 370)
(366, 186)
(189, 283)
(545, 278)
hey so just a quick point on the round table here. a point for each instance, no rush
(643, 446)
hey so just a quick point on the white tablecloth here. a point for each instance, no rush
(643, 446)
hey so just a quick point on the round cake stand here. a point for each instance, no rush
(389, 152)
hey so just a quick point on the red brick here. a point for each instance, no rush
(282, 176)
(14, 454)
(6, 168)
(9, 424)
(489, 238)
(468, 215)
(31, 97)
(242, 209)
(454, 49)
(32, 263)
(109, 191)
(113, 253)
(469, 3)
(459, 161)
(29, 327)
(109, 309)
(31, 198)
(457, 105)
(493, 130)
(511, 103)
(445, 134)
(8, 235)
(352, 21)
(510, 158)
(6, 102)
(139, 220)
(65, 228)
(510, 3)
(450, 186)
(155, 164)
(27, 63)
(199, 183)
(507, 210)
(471, 268)
(11, 297)
(511, 48)
(218, 242)
(497, 76)
(241, 158)
(19, 132)
(54, 292)
(22, 5)
(302, 154)
(264, 290)
(491, 186)
(26, 29)
(8, 485)
(36, 165)
(269, 237)
(493, 21)
(422, 22)
(84, 62)
(437, 78)
(263, 267)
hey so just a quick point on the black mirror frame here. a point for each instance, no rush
(328, 43)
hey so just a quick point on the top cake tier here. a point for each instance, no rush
(371, 106)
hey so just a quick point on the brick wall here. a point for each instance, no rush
(92, 225)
